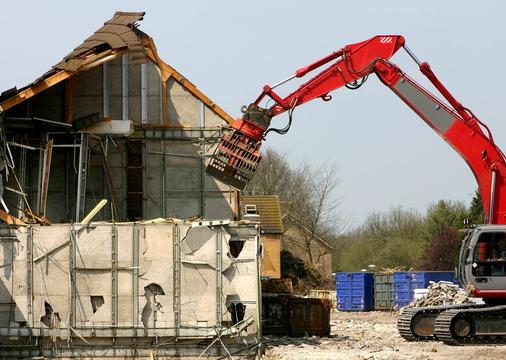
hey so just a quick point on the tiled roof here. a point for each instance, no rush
(269, 211)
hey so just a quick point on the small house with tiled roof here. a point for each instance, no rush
(266, 210)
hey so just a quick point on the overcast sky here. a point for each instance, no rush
(387, 156)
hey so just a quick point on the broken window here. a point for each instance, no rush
(51, 319)
(96, 302)
(152, 305)
(235, 247)
(237, 311)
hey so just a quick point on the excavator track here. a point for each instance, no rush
(472, 325)
(418, 323)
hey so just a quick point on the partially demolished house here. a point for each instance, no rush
(113, 121)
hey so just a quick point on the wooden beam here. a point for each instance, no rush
(168, 71)
(69, 99)
(45, 179)
(34, 90)
(11, 220)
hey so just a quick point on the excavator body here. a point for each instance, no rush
(482, 261)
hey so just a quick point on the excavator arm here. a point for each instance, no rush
(237, 155)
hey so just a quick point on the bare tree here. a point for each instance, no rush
(313, 210)
(309, 200)
(272, 177)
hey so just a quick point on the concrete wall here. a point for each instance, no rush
(113, 283)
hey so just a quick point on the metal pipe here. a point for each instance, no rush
(23, 146)
(174, 154)
(105, 90)
(219, 276)
(202, 165)
(57, 123)
(412, 55)
(135, 279)
(4, 205)
(124, 87)
(492, 195)
(144, 93)
(283, 81)
(79, 179)
(162, 177)
(65, 146)
(15, 191)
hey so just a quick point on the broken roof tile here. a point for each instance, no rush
(118, 32)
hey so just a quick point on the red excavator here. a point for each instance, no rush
(482, 261)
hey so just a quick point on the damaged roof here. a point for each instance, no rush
(119, 35)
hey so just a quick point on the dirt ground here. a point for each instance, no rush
(372, 336)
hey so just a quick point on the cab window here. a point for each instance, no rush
(489, 256)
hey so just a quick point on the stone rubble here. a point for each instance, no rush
(442, 293)
(370, 335)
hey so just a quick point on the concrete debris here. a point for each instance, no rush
(442, 293)
(369, 335)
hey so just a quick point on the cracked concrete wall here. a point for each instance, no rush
(186, 279)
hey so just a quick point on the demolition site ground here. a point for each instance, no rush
(372, 336)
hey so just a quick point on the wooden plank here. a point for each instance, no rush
(11, 220)
(69, 99)
(45, 179)
(34, 90)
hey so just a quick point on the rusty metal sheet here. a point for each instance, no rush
(276, 315)
(310, 317)
(295, 316)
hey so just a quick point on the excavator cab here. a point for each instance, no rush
(482, 262)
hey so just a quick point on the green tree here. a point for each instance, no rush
(476, 214)
(440, 234)
(386, 239)
(442, 253)
(442, 215)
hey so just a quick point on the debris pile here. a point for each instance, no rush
(442, 293)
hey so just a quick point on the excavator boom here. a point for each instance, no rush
(482, 260)
(238, 154)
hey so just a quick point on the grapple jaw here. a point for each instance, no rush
(238, 154)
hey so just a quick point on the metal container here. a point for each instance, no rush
(276, 314)
(355, 291)
(310, 317)
(405, 282)
(384, 298)
(291, 315)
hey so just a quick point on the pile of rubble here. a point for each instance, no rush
(442, 293)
